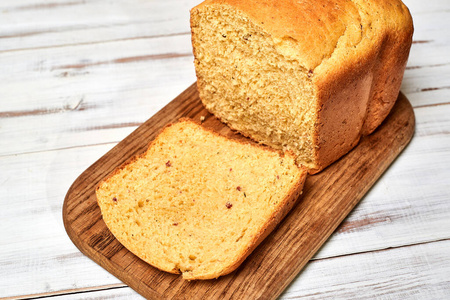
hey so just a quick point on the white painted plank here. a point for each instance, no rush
(60, 106)
(37, 24)
(423, 88)
(417, 7)
(56, 23)
(415, 272)
(44, 78)
(430, 41)
(123, 293)
(36, 255)
(426, 79)
(113, 291)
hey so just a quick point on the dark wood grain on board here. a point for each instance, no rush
(327, 199)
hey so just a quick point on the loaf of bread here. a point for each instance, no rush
(309, 76)
(198, 203)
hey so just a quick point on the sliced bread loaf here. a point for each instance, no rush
(308, 76)
(198, 203)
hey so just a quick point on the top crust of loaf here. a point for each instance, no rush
(312, 32)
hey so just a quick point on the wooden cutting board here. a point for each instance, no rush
(327, 199)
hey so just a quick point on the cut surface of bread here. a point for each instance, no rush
(308, 76)
(198, 203)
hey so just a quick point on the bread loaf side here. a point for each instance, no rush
(307, 76)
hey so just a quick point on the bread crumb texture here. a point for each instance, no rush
(238, 65)
(273, 69)
(196, 202)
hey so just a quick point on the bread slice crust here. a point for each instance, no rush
(270, 222)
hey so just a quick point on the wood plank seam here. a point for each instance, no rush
(60, 149)
(144, 37)
(69, 292)
(118, 286)
(381, 250)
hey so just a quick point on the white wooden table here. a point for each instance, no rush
(77, 76)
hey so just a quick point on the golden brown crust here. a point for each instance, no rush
(358, 92)
(356, 51)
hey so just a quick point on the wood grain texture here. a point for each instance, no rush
(417, 272)
(413, 273)
(44, 24)
(328, 197)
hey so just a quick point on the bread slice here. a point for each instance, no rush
(198, 203)
(308, 76)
